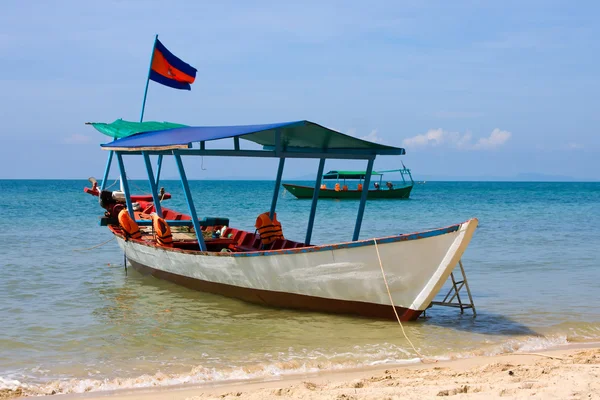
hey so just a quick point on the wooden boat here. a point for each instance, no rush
(341, 191)
(209, 255)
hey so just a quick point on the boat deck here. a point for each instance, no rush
(232, 240)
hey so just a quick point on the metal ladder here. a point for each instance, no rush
(454, 293)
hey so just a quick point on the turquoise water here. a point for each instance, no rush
(74, 321)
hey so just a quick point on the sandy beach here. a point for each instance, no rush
(568, 373)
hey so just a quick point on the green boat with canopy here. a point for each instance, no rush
(341, 190)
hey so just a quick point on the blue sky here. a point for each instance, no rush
(469, 88)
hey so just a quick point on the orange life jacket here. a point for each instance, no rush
(268, 230)
(162, 231)
(345, 187)
(359, 187)
(129, 226)
(337, 187)
(323, 186)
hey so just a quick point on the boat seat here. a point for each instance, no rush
(236, 236)
(247, 239)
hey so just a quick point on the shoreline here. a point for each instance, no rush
(513, 374)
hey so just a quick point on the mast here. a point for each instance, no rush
(148, 78)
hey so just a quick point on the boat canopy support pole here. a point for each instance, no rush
(363, 199)
(153, 187)
(106, 170)
(406, 170)
(313, 206)
(158, 168)
(125, 185)
(277, 186)
(190, 201)
(454, 293)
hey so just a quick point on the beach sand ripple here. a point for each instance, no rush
(572, 375)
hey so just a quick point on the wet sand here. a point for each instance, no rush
(567, 373)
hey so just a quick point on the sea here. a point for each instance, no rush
(73, 319)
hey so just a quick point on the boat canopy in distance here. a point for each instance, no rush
(348, 174)
(293, 136)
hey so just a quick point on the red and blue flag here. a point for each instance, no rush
(169, 70)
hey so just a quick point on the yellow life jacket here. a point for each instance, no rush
(162, 231)
(129, 226)
(268, 230)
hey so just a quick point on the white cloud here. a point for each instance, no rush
(496, 138)
(77, 138)
(574, 146)
(373, 137)
(439, 137)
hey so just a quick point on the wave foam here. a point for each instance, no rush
(197, 375)
(385, 355)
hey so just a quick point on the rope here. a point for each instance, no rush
(394, 307)
(98, 245)
(142, 191)
(112, 184)
(136, 186)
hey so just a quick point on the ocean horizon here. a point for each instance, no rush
(306, 179)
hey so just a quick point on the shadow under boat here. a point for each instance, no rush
(485, 323)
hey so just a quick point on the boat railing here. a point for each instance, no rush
(403, 171)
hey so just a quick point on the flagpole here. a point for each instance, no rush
(148, 79)
(147, 83)
(141, 120)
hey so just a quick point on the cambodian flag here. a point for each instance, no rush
(169, 70)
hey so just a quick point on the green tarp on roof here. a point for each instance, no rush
(120, 129)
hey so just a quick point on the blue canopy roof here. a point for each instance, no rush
(304, 135)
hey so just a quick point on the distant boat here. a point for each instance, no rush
(341, 190)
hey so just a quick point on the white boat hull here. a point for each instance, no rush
(341, 278)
